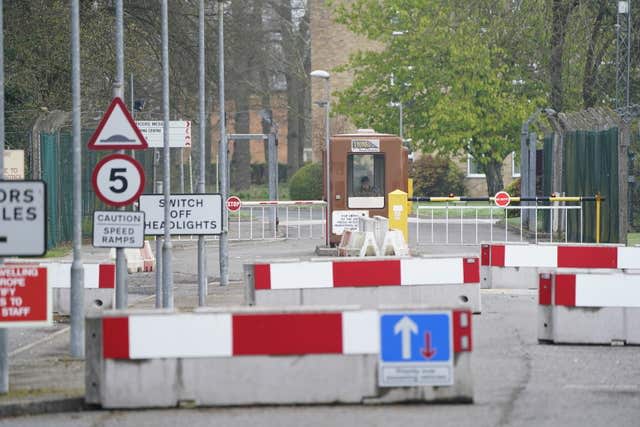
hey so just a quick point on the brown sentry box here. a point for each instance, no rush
(365, 167)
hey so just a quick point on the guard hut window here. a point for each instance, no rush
(365, 181)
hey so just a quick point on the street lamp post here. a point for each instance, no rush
(322, 74)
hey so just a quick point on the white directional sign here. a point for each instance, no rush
(118, 180)
(23, 218)
(118, 229)
(179, 133)
(117, 130)
(190, 214)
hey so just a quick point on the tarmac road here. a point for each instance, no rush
(517, 382)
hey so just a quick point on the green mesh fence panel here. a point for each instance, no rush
(57, 172)
(591, 167)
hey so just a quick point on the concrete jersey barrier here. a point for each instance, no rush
(518, 265)
(589, 308)
(438, 282)
(252, 356)
(99, 284)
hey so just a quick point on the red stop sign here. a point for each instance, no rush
(502, 199)
(233, 203)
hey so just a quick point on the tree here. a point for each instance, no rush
(464, 92)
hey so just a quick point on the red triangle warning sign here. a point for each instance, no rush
(117, 130)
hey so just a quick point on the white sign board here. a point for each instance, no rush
(346, 220)
(190, 214)
(365, 145)
(13, 164)
(23, 218)
(179, 133)
(118, 229)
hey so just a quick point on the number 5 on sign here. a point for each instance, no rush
(118, 180)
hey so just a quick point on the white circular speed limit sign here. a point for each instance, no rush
(118, 180)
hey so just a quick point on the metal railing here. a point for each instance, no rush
(270, 220)
(473, 224)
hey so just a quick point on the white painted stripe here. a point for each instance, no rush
(295, 275)
(530, 256)
(91, 274)
(431, 271)
(360, 332)
(607, 290)
(180, 335)
(59, 275)
(629, 257)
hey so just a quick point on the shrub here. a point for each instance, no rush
(436, 176)
(514, 188)
(306, 183)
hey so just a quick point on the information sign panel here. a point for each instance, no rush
(25, 296)
(190, 214)
(23, 218)
(118, 229)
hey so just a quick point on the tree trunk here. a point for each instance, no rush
(594, 58)
(561, 9)
(241, 161)
(493, 174)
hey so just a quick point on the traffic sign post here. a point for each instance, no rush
(416, 349)
(233, 203)
(118, 229)
(189, 214)
(25, 297)
(23, 218)
(502, 199)
(118, 180)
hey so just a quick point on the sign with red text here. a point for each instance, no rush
(25, 297)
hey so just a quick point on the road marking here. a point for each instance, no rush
(40, 341)
(599, 387)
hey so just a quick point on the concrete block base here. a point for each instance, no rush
(594, 325)
(95, 299)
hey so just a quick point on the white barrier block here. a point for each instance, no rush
(302, 274)
(628, 258)
(431, 270)
(360, 332)
(600, 290)
(530, 256)
(182, 335)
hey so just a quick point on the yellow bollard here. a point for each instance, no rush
(410, 193)
(598, 202)
(399, 213)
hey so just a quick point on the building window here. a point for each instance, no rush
(515, 165)
(365, 181)
(473, 168)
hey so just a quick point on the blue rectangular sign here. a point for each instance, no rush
(415, 337)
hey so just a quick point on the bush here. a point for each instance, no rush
(514, 188)
(306, 183)
(436, 176)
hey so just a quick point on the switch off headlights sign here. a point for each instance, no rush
(189, 214)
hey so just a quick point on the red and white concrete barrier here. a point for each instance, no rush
(250, 356)
(518, 265)
(99, 284)
(437, 282)
(589, 308)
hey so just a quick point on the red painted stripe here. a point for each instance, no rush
(115, 337)
(366, 273)
(107, 276)
(565, 290)
(497, 255)
(297, 333)
(544, 289)
(262, 276)
(471, 270)
(587, 257)
(485, 254)
(462, 331)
